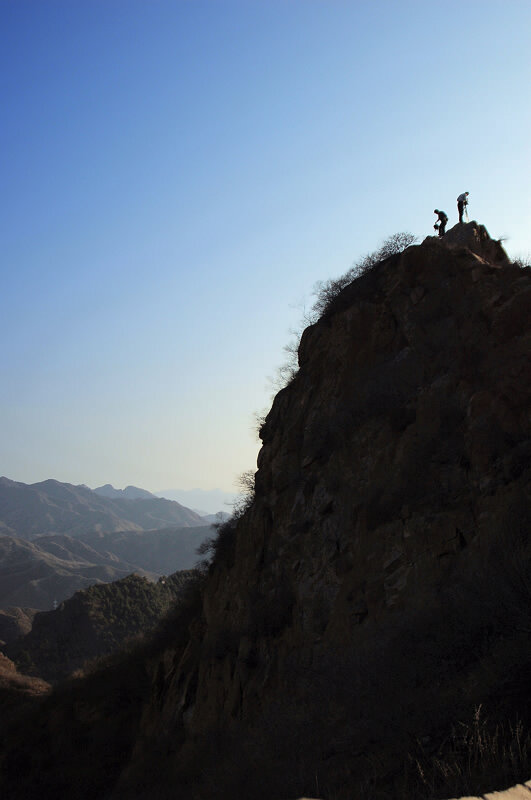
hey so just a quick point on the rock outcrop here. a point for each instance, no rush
(393, 482)
(375, 590)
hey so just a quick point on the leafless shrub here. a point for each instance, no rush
(523, 262)
(220, 548)
(327, 291)
(259, 420)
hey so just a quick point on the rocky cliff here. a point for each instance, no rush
(392, 481)
(374, 591)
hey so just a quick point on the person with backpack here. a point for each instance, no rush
(462, 202)
(442, 219)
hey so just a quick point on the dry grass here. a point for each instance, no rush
(479, 756)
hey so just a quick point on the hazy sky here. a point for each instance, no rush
(177, 175)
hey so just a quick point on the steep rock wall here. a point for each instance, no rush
(392, 467)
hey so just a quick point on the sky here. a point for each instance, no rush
(178, 174)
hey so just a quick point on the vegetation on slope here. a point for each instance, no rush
(76, 741)
(93, 623)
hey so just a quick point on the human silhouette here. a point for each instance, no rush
(442, 219)
(462, 202)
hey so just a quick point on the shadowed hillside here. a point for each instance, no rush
(159, 552)
(51, 568)
(94, 623)
(371, 595)
(30, 576)
(17, 690)
(15, 622)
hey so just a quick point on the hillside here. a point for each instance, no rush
(373, 593)
(93, 623)
(159, 552)
(52, 507)
(51, 568)
(32, 577)
(15, 622)
(16, 690)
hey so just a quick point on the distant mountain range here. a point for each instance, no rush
(52, 507)
(57, 538)
(129, 493)
(212, 505)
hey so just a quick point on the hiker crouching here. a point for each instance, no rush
(442, 219)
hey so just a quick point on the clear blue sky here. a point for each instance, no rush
(177, 175)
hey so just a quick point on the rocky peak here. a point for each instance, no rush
(475, 238)
(393, 462)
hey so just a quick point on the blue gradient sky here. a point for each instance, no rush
(176, 176)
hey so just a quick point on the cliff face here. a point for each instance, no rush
(404, 435)
(375, 591)
(394, 470)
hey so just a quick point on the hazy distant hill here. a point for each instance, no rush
(52, 507)
(204, 501)
(216, 519)
(93, 623)
(159, 551)
(34, 574)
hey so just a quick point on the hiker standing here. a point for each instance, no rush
(442, 219)
(462, 202)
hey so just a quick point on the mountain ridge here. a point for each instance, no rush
(130, 492)
(52, 507)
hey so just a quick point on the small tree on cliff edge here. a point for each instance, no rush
(326, 291)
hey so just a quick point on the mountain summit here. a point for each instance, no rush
(373, 593)
(129, 493)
